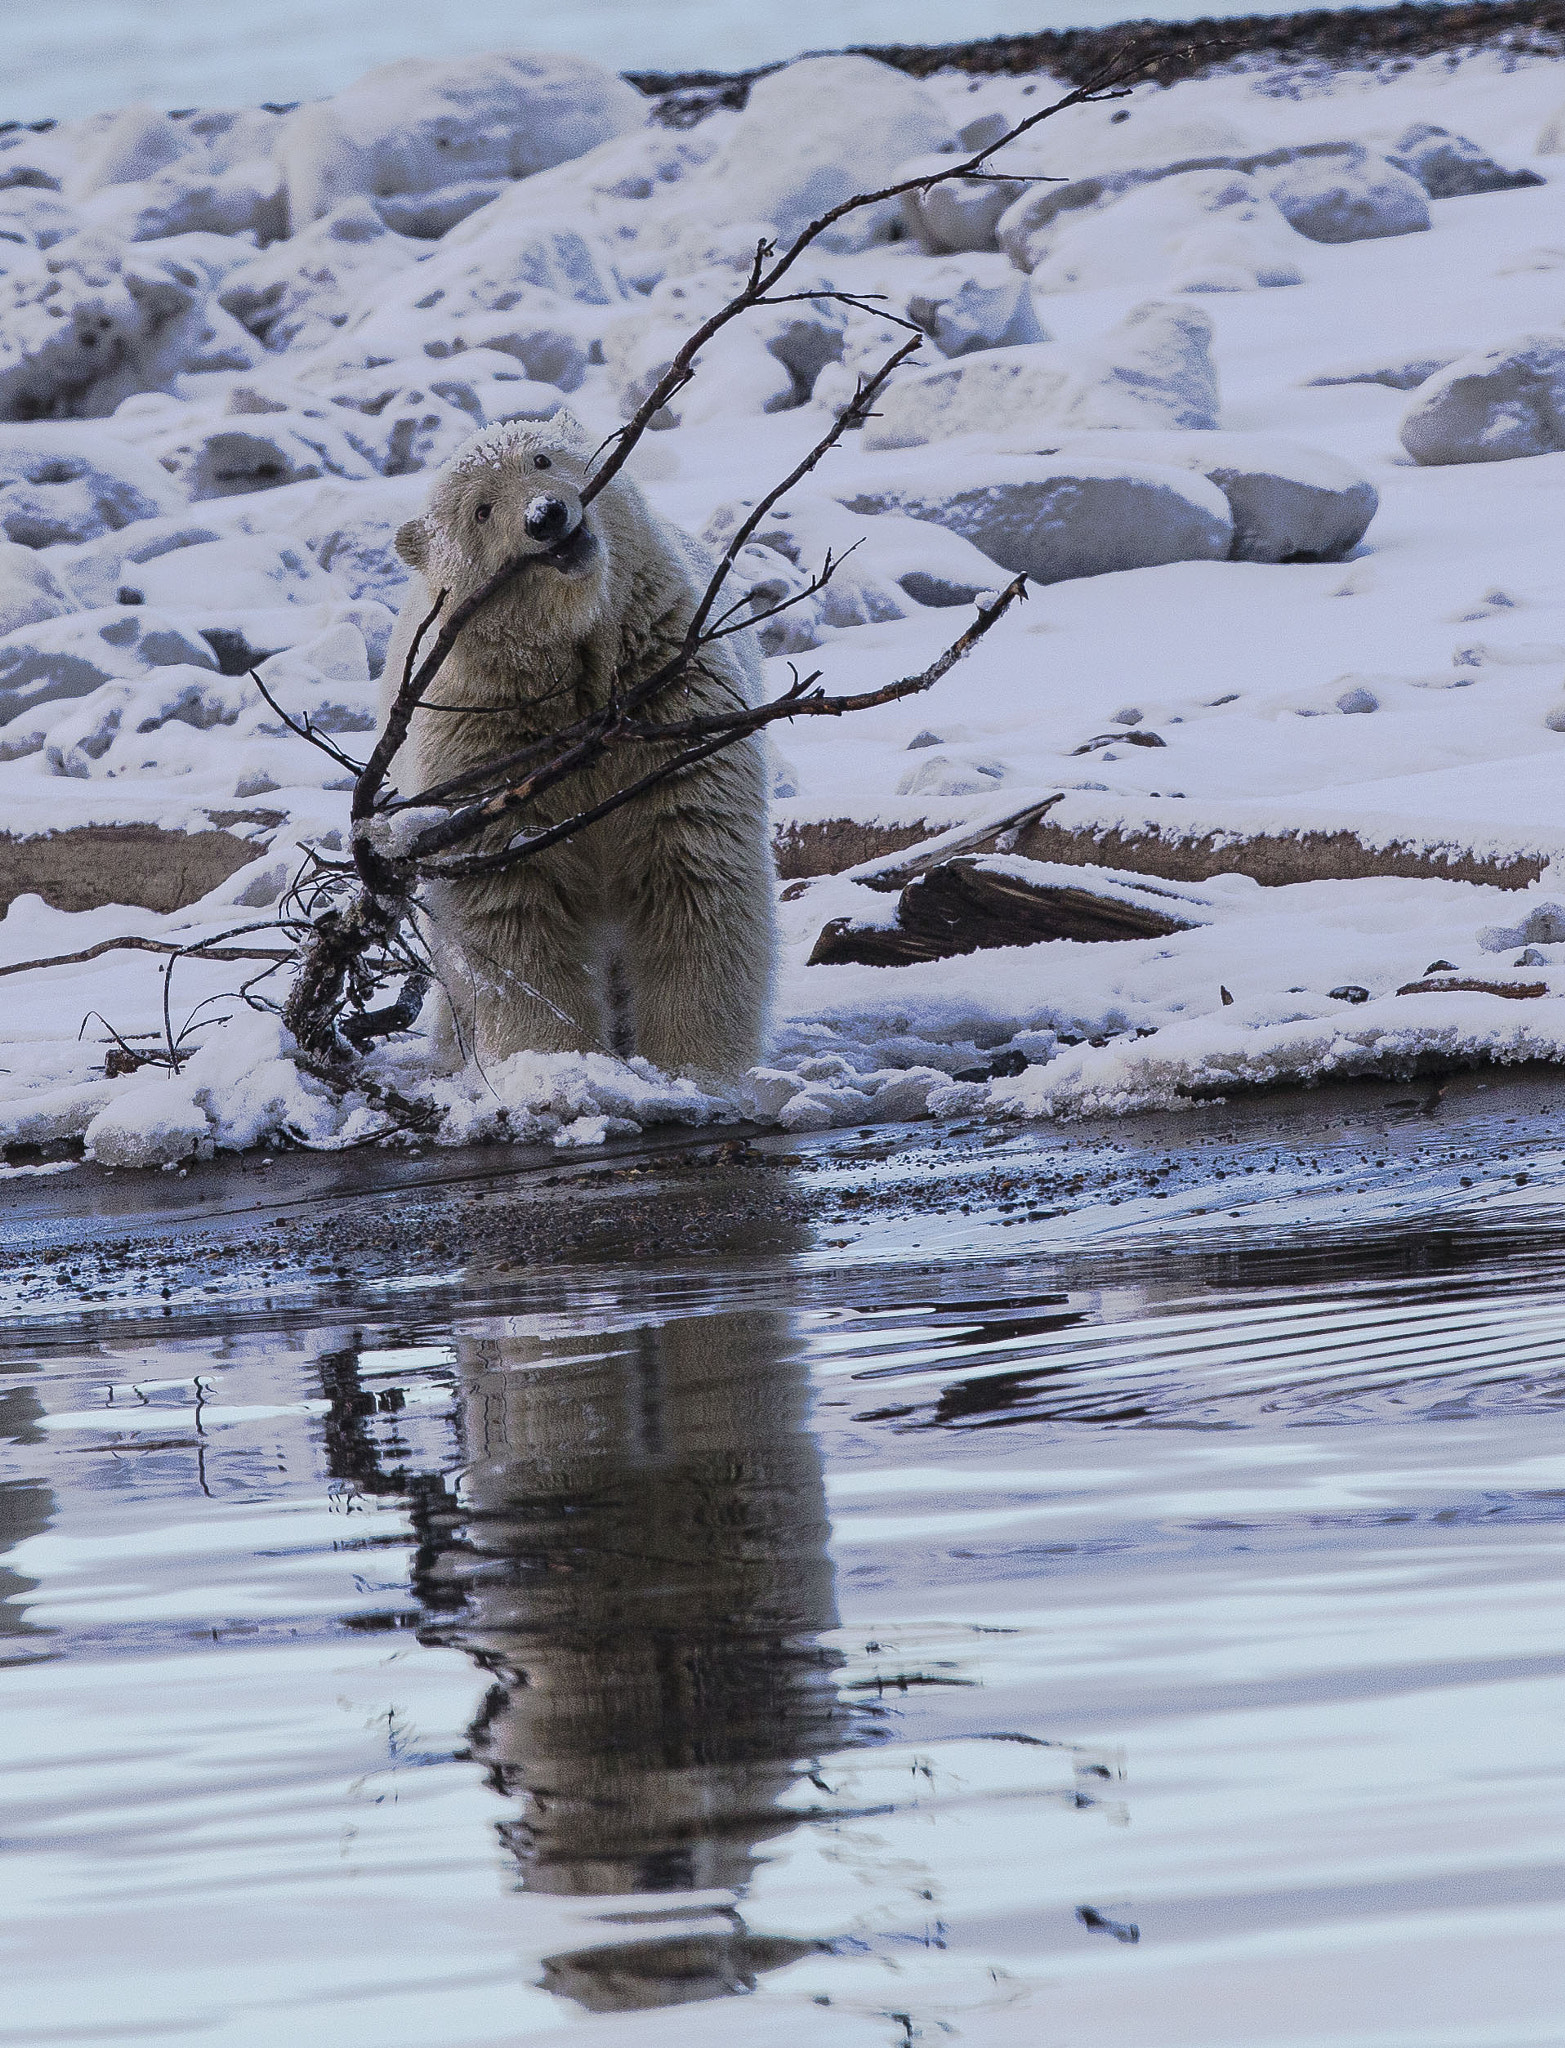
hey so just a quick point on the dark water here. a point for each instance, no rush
(1148, 1653)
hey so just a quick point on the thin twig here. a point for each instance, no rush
(306, 731)
(144, 946)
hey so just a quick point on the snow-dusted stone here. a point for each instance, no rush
(735, 375)
(893, 558)
(96, 571)
(406, 428)
(1401, 373)
(64, 481)
(982, 303)
(191, 198)
(1289, 504)
(959, 214)
(1492, 405)
(541, 339)
(814, 134)
(226, 459)
(1153, 370)
(939, 775)
(1327, 191)
(232, 135)
(1350, 200)
(735, 372)
(491, 385)
(1544, 925)
(1194, 231)
(416, 125)
(71, 656)
(158, 1124)
(243, 571)
(520, 275)
(31, 219)
(138, 143)
(1450, 166)
(29, 588)
(1053, 517)
(426, 216)
(311, 282)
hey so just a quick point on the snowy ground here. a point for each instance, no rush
(1444, 627)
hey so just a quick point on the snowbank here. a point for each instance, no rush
(1178, 387)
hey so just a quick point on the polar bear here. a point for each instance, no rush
(650, 931)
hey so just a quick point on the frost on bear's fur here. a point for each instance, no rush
(651, 931)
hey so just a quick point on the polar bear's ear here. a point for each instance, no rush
(568, 432)
(412, 543)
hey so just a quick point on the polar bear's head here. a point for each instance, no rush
(513, 492)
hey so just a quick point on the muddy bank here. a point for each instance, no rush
(1345, 1158)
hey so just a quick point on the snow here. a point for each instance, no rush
(215, 484)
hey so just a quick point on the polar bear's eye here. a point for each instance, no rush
(482, 512)
(542, 462)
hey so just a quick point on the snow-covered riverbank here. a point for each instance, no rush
(233, 346)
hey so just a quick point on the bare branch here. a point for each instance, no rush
(710, 735)
(1112, 82)
(144, 946)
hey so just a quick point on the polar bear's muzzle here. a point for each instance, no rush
(548, 519)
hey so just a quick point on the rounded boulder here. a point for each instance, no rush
(1491, 406)
(415, 126)
(1053, 519)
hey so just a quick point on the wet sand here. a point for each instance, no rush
(1475, 1148)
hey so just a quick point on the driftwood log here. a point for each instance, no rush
(970, 905)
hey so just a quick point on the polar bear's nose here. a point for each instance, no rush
(547, 518)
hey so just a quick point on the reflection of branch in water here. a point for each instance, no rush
(641, 1538)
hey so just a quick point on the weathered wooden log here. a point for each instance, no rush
(1272, 856)
(969, 905)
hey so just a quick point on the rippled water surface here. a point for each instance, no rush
(1156, 1654)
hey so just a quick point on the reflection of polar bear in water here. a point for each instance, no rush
(650, 931)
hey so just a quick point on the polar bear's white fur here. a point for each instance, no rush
(652, 930)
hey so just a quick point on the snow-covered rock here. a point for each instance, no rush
(138, 142)
(190, 198)
(814, 134)
(1153, 370)
(29, 588)
(426, 216)
(417, 126)
(1289, 504)
(1056, 518)
(95, 571)
(240, 570)
(72, 655)
(958, 214)
(228, 459)
(309, 284)
(881, 563)
(1328, 192)
(1351, 199)
(976, 304)
(1450, 166)
(1193, 232)
(522, 276)
(1492, 405)
(64, 481)
(34, 219)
